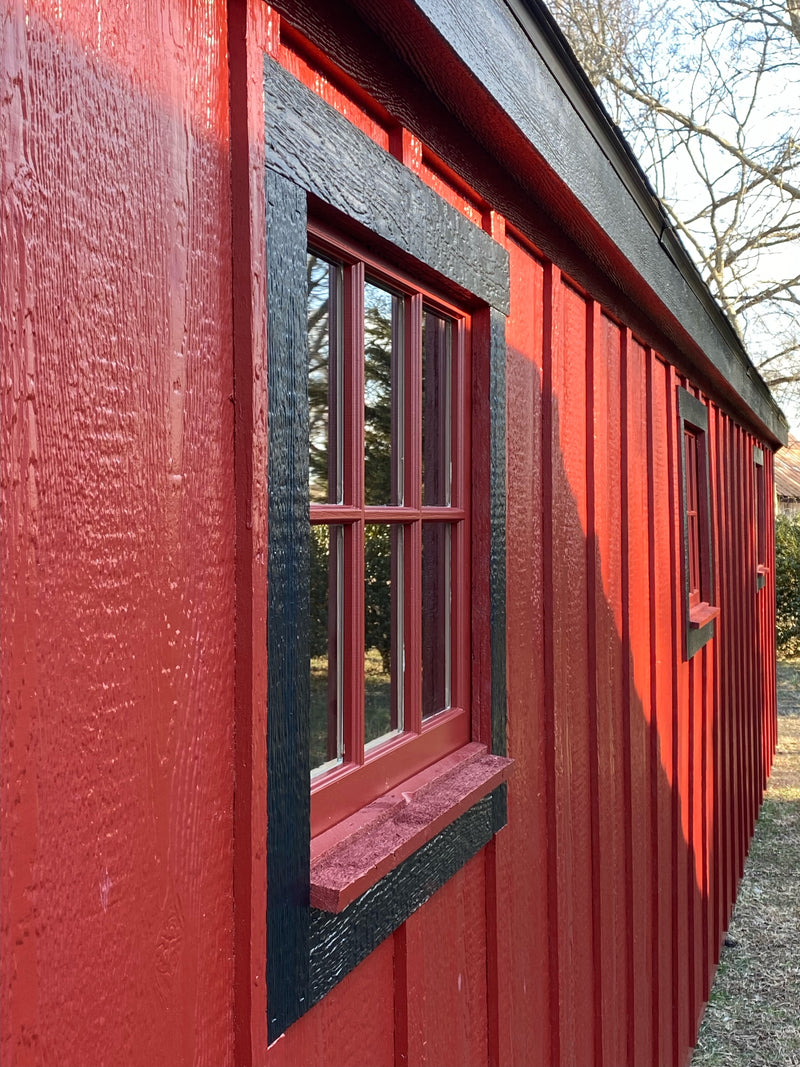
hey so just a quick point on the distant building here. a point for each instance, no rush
(787, 479)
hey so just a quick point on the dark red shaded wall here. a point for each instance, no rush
(118, 542)
(134, 608)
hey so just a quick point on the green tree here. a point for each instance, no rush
(708, 95)
(787, 584)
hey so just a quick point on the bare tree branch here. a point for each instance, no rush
(709, 96)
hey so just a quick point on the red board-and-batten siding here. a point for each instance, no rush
(587, 931)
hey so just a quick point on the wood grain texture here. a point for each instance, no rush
(250, 31)
(611, 787)
(317, 148)
(497, 519)
(353, 1025)
(523, 878)
(571, 695)
(663, 659)
(644, 774)
(135, 268)
(340, 942)
(446, 975)
(288, 721)
(118, 539)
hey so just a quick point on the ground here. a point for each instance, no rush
(753, 1013)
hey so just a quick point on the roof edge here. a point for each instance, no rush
(609, 185)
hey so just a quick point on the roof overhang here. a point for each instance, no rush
(512, 81)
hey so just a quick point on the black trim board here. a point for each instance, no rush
(693, 411)
(340, 942)
(317, 148)
(288, 681)
(307, 954)
(497, 518)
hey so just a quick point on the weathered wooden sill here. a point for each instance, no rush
(354, 855)
(702, 614)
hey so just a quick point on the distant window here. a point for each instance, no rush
(698, 570)
(761, 519)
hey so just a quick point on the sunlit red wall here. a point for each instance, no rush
(134, 611)
(118, 534)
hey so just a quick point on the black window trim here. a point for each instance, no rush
(694, 413)
(312, 150)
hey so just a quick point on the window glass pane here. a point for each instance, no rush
(327, 733)
(436, 401)
(692, 515)
(324, 380)
(383, 396)
(383, 631)
(435, 618)
(761, 517)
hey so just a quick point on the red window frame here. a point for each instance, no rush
(761, 518)
(365, 774)
(698, 574)
(692, 453)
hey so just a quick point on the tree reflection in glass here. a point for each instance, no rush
(383, 396)
(383, 630)
(325, 380)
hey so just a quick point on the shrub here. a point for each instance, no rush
(787, 584)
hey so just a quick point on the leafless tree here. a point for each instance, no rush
(708, 95)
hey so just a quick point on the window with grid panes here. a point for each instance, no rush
(698, 571)
(389, 511)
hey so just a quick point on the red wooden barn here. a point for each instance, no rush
(388, 627)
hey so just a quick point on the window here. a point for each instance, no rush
(402, 553)
(699, 609)
(388, 393)
(761, 518)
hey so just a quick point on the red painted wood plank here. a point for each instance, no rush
(683, 962)
(610, 797)
(571, 711)
(641, 711)
(731, 667)
(525, 922)
(551, 340)
(445, 976)
(716, 796)
(118, 520)
(338, 1029)
(695, 865)
(252, 31)
(737, 667)
(660, 412)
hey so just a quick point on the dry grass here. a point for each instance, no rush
(753, 1014)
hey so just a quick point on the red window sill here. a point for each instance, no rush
(702, 614)
(761, 576)
(355, 854)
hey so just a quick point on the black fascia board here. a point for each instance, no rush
(517, 55)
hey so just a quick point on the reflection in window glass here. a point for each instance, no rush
(326, 626)
(383, 396)
(435, 618)
(324, 380)
(383, 631)
(436, 405)
(692, 515)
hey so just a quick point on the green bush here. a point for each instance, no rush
(787, 584)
